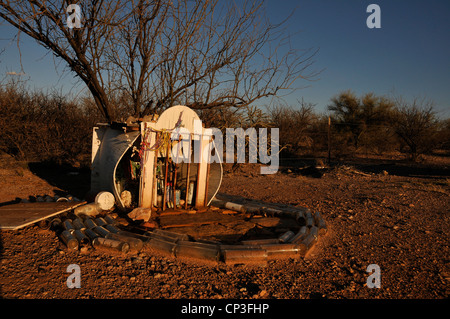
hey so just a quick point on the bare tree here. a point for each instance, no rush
(416, 124)
(295, 125)
(157, 53)
(360, 116)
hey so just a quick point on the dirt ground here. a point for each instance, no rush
(389, 214)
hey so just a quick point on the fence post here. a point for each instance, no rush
(329, 139)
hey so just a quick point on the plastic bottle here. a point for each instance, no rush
(78, 223)
(90, 233)
(110, 244)
(56, 224)
(300, 235)
(67, 224)
(100, 221)
(111, 228)
(286, 236)
(110, 220)
(89, 223)
(197, 250)
(134, 243)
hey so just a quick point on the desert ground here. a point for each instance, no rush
(390, 213)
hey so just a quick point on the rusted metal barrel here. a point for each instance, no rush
(110, 245)
(69, 239)
(134, 243)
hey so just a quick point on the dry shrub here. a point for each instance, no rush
(45, 127)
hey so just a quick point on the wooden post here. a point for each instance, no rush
(155, 183)
(188, 170)
(200, 199)
(166, 161)
(175, 174)
(147, 169)
(207, 174)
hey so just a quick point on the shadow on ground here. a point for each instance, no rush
(307, 167)
(68, 179)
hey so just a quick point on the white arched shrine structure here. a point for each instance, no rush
(161, 178)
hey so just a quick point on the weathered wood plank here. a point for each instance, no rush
(19, 215)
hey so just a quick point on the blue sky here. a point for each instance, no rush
(409, 56)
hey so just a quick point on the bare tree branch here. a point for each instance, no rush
(157, 53)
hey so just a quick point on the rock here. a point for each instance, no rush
(229, 212)
(140, 213)
(126, 198)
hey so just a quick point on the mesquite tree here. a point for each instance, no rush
(157, 53)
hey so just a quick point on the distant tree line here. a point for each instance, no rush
(367, 124)
(42, 126)
(48, 126)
